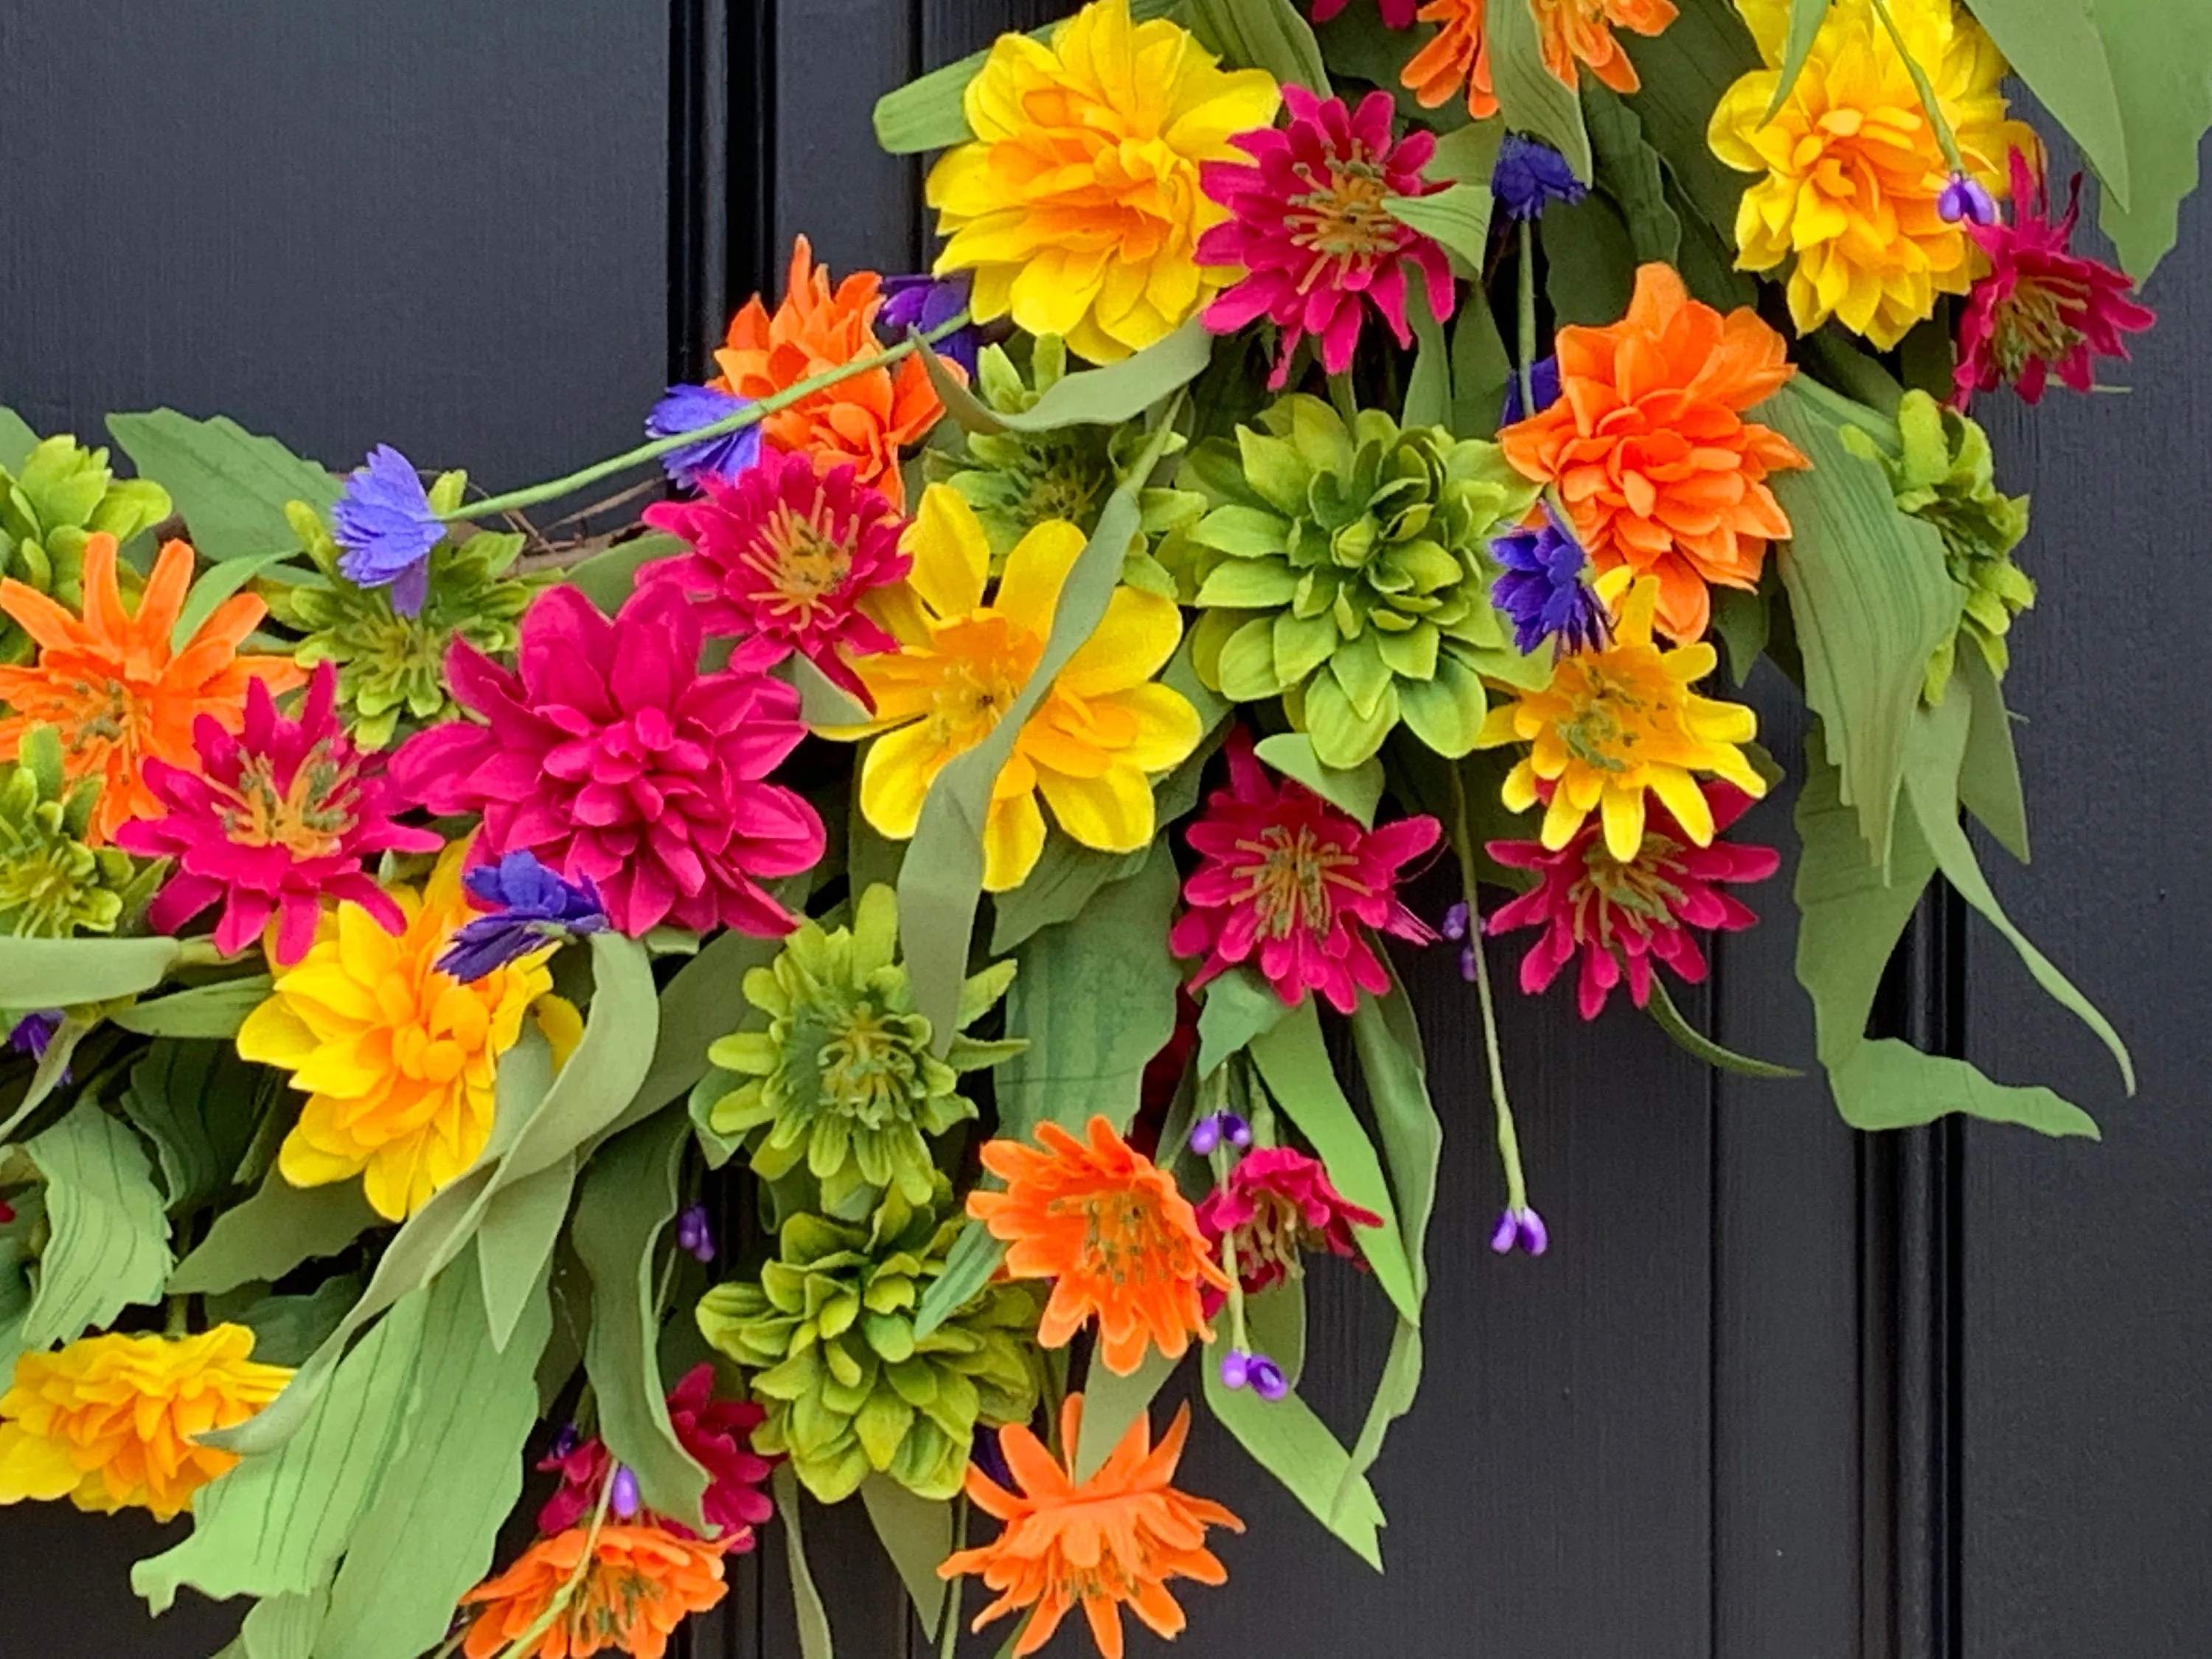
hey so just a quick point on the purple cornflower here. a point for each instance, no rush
(385, 522)
(925, 302)
(688, 408)
(1529, 176)
(534, 907)
(1543, 380)
(1255, 1371)
(1965, 200)
(1209, 1131)
(1524, 1227)
(694, 1233)
(1542, 589)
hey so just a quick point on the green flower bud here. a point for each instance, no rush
(62, 496)
(51, 884)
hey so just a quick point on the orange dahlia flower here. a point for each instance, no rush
(640, 1584)
(108, 682)
(864, 421)
(1108, 1227)
(1572, 31)
(1118, 1537)
(1656, 468)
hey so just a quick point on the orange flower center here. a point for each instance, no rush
(804, 568)
(106, 711)
(308, 818)
(1612, 709)
(1342, 219)
(1125, 1237)
(987, 662)
(1288, 880)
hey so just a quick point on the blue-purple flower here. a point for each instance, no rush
(1543, 380)
(927, 303)
(692, 409)
(1529, 176)
(1209, 1131)
(532, 908)
(1542, 589)
(385, 522)
(1524, 1227)
(1965, 200)
(1256, 1372)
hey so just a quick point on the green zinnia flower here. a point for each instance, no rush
(61, 497)
(52, 884)
(1946, 475)
(1346, 569)
(848, 1386)
(392, 668)
(843, 1077)
(1018, 480)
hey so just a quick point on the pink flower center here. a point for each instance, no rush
(1639, 896)
(2033, 322)
(309, 818)
(803, 567)
(1288, 878)
(1341, 220)
(1277, 1234)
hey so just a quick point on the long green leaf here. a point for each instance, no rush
(814, 1640)
(230, 484)
(974, 1257)
(607, 579)
(200, 1105)
(62, 973)
(1394, 1063)
(1268, 34)
(1688, 1037)
(2057, 47)
(2160, 58)
(916, 1534)
(1806, 17)
(1685, 69)
(1887, 1085)
(515, 1241)
(1630, 169)
(1428, 388)
(110, 1244)
(1238, 1006)
(1112, 1402)
(1107, 396)
(1530, 96)
(1988, 773)
(271, 1233)
(1286, 1438)
(205, 1011)
(17, 440)
(611, 1063)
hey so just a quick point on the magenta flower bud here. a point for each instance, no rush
(623, 1499)
(1235, 1369)
(1268, 1379)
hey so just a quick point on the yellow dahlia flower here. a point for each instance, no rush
(1853, 166)
(397, 1059)
(1078, 205)
(109, 1422)
(1618, 721)
(1092, 746)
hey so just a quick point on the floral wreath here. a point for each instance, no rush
(870, 943)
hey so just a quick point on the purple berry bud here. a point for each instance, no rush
(1235, 1369)
(1268, 1379)
(1534, 1238)
(694, 1233)
(1240, 1131)
(567, 1441)
(1454, 922)
(623, 1499)
(1964, 200)
(1205, 1135)
(1503, 1235)
(1468, 970)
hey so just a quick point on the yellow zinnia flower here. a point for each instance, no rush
(1092, 744)
(1621, 720)
(109, 1422)
(1077, 205)
(1853, 167)
(397, 1059)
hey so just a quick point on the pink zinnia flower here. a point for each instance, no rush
(610, 756)
(2042, 309)
(1287, 882)
(1623, 917)
(272, 822)
(1396, 14)
(1279, 1203)
(717, 1433)
(779, 558)
(1309, 224)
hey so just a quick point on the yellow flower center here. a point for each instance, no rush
(804, 567)
(987, 660)
(1289, 875)
(1341, 217)
(1124, 1238)
(867, 1067)
(1612, 707)
(2031, 322)
(307, 818)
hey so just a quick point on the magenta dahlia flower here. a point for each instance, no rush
(1396, 14)
(272, 822)
(717, 1433)
(779, 559)
(1279, 1203)
(1623, 917)
(2043, 309)
(1308, 222)
(614, 760)
(1288, 882)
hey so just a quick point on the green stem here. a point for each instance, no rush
(1929, 105)
(1525, 319)
(1236, 1337)
(531, 495)
(1509, 1142)
(948, 1622)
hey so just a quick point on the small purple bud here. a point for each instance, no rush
(1206, 1134)
(1522, 1227)
(694, 1233)
(1454, 922)
(1240, 1131)
(1964, 200)
(1235, 1369)
(566, 1441)
(1503, 1235)
(1268, 1379)
(623, 1499)
(1467, 968)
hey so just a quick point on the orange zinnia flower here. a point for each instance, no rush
(640, 1584)
(112, 688)
(1573, 31)
(1117, 1537)
(1108, 1227)
(864, 421)
(1657, 470)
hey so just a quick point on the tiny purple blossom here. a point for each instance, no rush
(623, 1499)
(1524, 1227)
(1209, 1131)
(690, 408)
(1543, 380)
(694, 1233)
(1529, 176)
(1965, 200)
(386, 523)
(1235, 1369)
(566, 1441)
(533, 908)
(34, 1032)
(926, 303)
(1268, 1379)
(1453, 925)
(1542, 589)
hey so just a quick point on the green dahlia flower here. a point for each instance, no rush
(392, 668)
(52, 884)
(1946, 476)
(842, 1077)
(1018, 480)
(1346, 569)
(847, 1385)
(62, 495)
